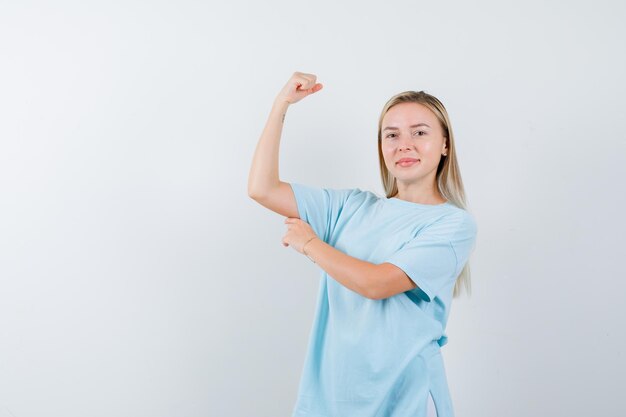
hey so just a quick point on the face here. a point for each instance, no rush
(411, 131)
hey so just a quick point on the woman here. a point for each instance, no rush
(390, 265)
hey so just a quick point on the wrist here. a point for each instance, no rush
(281, 103)
(305, 245)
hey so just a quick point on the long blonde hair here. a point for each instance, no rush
(448, 176)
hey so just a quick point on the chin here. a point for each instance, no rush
(409, 177)
(406, 174)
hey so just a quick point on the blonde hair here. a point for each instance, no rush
(448, 176)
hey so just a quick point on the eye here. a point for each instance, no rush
(419, 131)
(390, 135)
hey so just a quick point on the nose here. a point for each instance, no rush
(405, 142)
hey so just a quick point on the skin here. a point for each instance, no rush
(375, 281)
(416, 183)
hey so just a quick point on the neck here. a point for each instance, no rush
(421, 194)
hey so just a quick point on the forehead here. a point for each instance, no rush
(406, 114)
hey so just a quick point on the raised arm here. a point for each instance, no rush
(264, 184)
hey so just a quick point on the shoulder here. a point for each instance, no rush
(454, 221)
(463, 218)
(357, 193)
(353, 195)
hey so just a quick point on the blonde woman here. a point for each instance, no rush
(390, 265)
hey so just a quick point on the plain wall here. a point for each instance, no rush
(138, 279)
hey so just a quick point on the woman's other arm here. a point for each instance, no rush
(264, 184)
(375, 281)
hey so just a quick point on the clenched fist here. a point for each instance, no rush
(299, 86)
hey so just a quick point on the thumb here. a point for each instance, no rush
(317, 87)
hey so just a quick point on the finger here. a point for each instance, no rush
(305, 76)
(306, 81)
(317, 87)
(302, 86)
(300, 81)
(310, 87)
(310, 82)
(310, 77)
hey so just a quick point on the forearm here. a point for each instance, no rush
(263, 174)
(349, 271)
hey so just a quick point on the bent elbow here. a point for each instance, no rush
(373, 293)
(377, 295)
(254, 194)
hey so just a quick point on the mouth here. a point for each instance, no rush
(407, 162)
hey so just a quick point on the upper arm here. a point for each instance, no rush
(280, 200)
(389, 280)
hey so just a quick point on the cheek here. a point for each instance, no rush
(428, 148)
(387, 149)
(387, 155)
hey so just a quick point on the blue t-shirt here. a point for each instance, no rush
(375, 358)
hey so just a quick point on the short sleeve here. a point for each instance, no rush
(435, 257)
(320, 207)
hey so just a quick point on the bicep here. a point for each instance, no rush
(280, 200)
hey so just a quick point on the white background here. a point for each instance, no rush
(138, 279)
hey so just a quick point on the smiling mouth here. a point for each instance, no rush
(408, 163)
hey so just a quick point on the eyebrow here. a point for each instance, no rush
(412, 126)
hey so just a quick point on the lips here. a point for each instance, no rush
(407, 162)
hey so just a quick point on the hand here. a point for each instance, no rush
(299, 86)
(299, 232)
